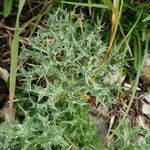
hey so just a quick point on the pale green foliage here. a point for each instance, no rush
(129, 138)
(58, 73)
(81, 56)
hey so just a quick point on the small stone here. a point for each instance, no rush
(142, 122)
(4, 74)
(147, 97)
(146, 109)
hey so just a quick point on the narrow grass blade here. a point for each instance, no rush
(116, 13)
(137, 52)
(7, 7)
(90, 11)
(108, 3)
(146, 19)
(37, 18)
(44, 11)
(133, 89)
(87, 4)
(130, 31)
(14, 57)
(126, 40)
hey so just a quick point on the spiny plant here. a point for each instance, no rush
(131, 138)
(62, 56)
(15, 43)
(61, 60)
(121, 24)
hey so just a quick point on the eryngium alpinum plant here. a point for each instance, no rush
(60, 64)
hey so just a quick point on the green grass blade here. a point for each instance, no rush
(146, 19)
(134, 88)
(137, 52)
(37, 18)
(108, 3)
(87, 4)
(131, 30)
(7, 7)
(14, 58)
(44, 11)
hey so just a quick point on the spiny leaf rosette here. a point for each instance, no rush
(58, 73)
